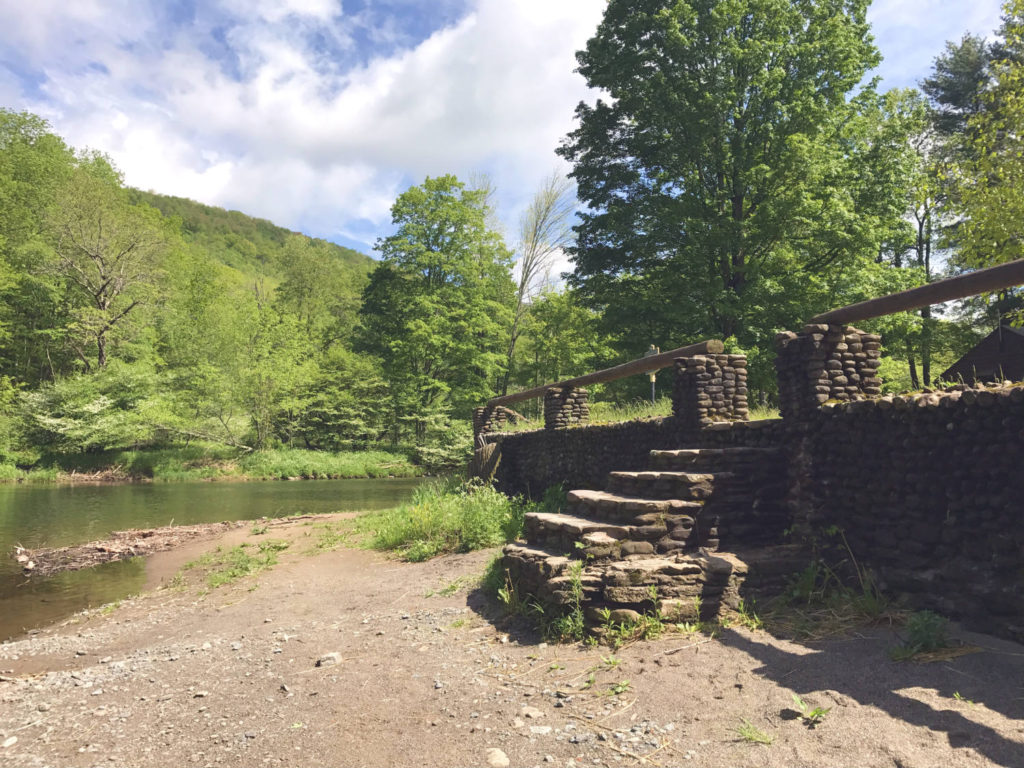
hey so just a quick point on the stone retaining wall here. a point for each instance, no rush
(929, 492)
(529, 462)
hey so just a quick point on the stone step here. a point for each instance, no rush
(591, 540)
(628, 510)
(685, 486)
(700, 459)
(682, 585)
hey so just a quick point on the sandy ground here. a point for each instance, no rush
(409, 676)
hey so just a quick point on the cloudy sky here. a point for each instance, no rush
(317, 113)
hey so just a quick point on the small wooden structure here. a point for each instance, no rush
(997, 357)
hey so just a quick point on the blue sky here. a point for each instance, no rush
(317, 113)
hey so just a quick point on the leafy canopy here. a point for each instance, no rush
(731, 161)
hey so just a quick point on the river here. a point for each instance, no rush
(59, 515)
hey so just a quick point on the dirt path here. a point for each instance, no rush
(414, 674)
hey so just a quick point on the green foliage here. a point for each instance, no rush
(447, 515)
(292, 462)
(438, 307)
(811, 717)
(249, 245)
(570, 625)
(225, 566)
(711, 210)
(926, 632)
(990, 179)
(115, 407)
(751, 733)
(198, 461)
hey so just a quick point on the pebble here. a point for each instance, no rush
(200, 694)
(10, 741)
(329, 659)
(540, 730)
(497, 759)
(236, 646)
(438, 684)
(533, 712)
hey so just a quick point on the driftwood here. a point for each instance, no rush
(122, 545)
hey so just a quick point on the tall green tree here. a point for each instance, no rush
(725, 167)
(990, 179)
(34, 163)
(109, 252)
(438, 307)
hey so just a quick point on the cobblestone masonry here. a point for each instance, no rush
(565, 407)
(823, 363)
(710, 388)
(926, 488)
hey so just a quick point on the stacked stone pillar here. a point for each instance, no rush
(564, 407)
(492, 419)
(826, 363)
(710, 388)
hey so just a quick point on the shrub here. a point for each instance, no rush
(446, 515)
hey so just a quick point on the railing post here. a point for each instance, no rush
(564, 407)
(710, 388)
(823, 363)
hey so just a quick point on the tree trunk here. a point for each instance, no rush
(914, 383)
(101, 349)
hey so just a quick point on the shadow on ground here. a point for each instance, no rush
(860, 669)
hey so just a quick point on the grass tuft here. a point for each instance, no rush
(752, 734)
(445, 516)
(224, 566)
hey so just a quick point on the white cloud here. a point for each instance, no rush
(271, 116)
(296, 142)
(911, 33)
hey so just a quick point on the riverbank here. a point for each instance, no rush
(344, 657)
(209, 462)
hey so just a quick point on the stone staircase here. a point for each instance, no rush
(660, 532)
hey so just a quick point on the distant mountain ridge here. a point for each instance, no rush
(245, 243)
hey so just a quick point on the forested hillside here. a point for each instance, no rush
(250, 245)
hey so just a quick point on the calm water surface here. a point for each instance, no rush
(55, 516)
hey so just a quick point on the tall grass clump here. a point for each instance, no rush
(446, 515)
(294, 462)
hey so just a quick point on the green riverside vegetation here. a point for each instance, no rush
(446, 515)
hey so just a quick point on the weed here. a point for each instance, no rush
(958, 697)
(458, 624)
(259, 530)
(330, 536)
(648, 627)
(226, 566)
(446, 516)
(589, 683)
(571, 624)
(619, 688)
(610, 662)
(926, 632)
(109, 608)
(751, 733)
(818, 604)
(748, 616)
(811, 717)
